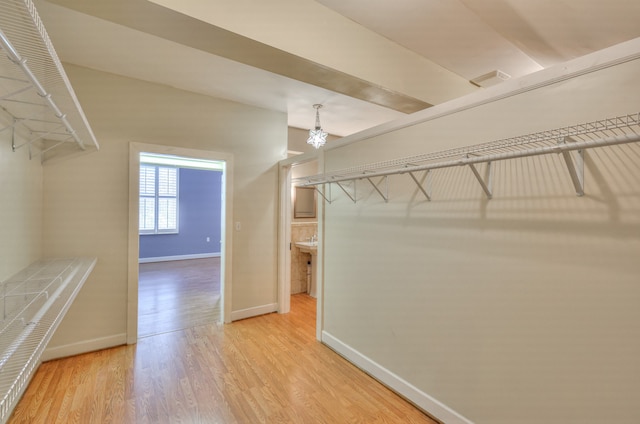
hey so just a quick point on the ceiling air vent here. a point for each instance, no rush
(490, 78)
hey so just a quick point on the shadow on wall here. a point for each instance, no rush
(515, 309)
(534, 204)
(528, 190)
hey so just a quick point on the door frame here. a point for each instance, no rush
(135, 148)
(284, 238)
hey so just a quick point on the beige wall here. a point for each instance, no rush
(20, 205)
(521, 309)
(86, 198)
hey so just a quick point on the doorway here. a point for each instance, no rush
(174, 289)
(304, 232)
(293, 230)
(180, 238)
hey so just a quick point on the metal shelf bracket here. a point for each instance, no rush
(487, 182)
(37, 137)
(13, 135)
(385, 195)
(352, 197)
(424, 184)
(327, 192)
(575, 165)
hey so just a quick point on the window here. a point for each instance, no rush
(158, 199)
(159, 190)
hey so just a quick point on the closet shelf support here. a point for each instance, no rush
(575, 165)
(15, 57)
(485, 184)
(352, 197)
(38, 137)
(385, 196)
(427, 179)
(324, 196)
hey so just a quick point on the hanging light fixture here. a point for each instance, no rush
(317, 137)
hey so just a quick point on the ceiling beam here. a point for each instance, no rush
(160, 21)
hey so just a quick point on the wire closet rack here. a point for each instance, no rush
(570, 142)
(37, 103)
(33, 303)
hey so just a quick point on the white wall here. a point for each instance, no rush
(20, 205)
(520, 309)
(86, 198)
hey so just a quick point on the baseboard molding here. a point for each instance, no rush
(253, 312)
(179, 257)
(427, 403)
(83, 347)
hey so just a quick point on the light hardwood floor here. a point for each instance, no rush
(267, 369)
(176, 295)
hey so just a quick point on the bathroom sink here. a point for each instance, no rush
(310, 247)
(307, 246)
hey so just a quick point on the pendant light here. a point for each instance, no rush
(317, 137)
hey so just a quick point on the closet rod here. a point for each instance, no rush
(470, 160)
(15, 57)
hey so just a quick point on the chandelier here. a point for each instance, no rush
(317, 137)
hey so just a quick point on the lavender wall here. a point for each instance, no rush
(199, 218)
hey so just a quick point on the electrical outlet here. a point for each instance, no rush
(238, 226)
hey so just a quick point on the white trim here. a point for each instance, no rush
(181, 162)
(84, 347)
(254, 312)
(284, 240)
(320, 261)
(420, 399)
(179, 257)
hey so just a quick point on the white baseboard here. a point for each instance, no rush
(253, 312)
(179, 257)
(428, 404)
(83, 347)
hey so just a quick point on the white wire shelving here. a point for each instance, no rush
(570, 142)
(33, 303)
(37, 102)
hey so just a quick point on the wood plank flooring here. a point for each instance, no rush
(176, 295)
(267, 369)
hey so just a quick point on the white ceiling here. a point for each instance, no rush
(466, 37)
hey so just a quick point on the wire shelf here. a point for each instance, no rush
(576, 138)
(33, 303)
(36, 96)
